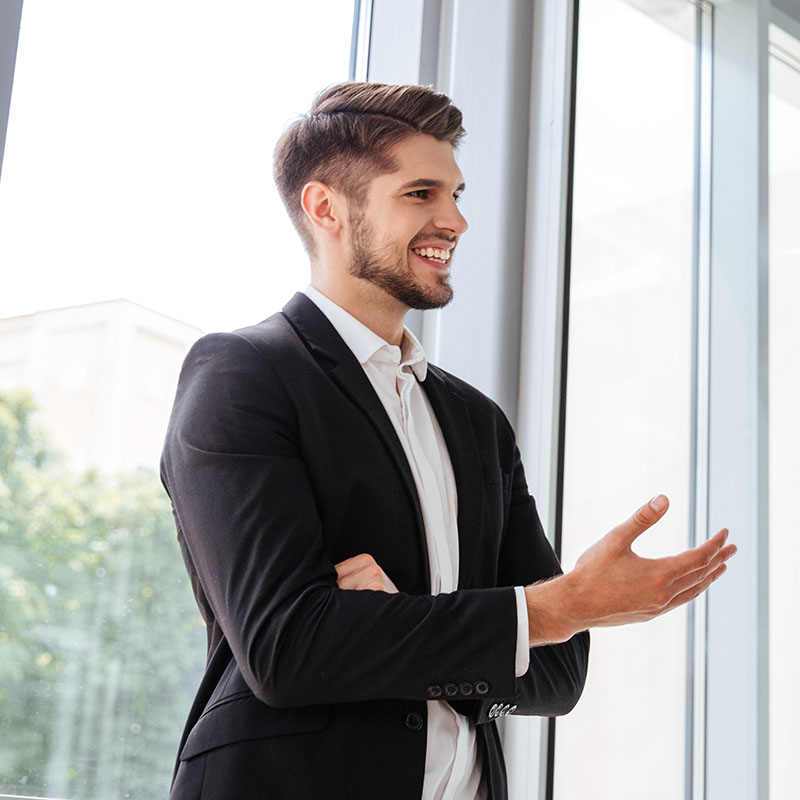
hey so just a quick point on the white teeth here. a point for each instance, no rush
(433, 253)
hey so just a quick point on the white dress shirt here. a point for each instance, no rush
(452, 758)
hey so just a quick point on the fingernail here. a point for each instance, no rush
(658, 503)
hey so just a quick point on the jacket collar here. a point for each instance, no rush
(365, 343)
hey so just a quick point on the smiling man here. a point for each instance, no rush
(355, 521)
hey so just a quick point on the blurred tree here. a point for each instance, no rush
(101, 644)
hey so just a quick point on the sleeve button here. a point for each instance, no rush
(481, 687)
(466, 688)
(450, 689)
(434, 691)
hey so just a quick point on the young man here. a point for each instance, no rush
(355, 521)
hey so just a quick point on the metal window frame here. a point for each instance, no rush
(10, 15)
(736, 763)
(545, 329)
(696, 679)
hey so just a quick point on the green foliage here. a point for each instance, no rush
(101, 645)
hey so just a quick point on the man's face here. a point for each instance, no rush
(402, 237)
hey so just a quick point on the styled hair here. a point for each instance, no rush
(345, 138)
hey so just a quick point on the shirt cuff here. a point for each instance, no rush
(523, 658)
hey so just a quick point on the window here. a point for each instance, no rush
(137, 166)
(628, 412)
(784, 394)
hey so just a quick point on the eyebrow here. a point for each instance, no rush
(427, 183)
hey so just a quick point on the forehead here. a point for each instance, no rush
(422, 157)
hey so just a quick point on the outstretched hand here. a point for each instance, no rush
(611, 585)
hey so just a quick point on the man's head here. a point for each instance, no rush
(345, 140)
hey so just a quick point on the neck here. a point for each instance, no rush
(370, 305)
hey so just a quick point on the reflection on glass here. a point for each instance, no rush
(628, 384)
(784, 420)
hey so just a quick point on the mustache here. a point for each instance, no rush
(425, 237)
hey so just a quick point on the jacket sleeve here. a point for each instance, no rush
(557, 673)
(245, 506)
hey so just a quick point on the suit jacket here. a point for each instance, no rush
(280, 462)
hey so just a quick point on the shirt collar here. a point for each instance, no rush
(365, 344)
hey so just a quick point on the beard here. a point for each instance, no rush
(387, 267)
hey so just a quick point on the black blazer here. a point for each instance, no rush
(280, 461)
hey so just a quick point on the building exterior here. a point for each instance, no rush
(103, 377)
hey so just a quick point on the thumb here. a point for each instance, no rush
(643, 518)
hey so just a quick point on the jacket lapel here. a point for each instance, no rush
(336, 358)
(452, 414)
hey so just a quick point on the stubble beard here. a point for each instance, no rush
(388, 268)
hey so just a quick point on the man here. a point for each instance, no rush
(355, 521)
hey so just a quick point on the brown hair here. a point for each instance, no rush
(344, 139)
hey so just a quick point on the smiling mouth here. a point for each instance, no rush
(433, 254)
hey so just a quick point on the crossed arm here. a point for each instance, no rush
(610, 585)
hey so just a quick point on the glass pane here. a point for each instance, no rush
(629, 379)
(784, 400)
(137, 166)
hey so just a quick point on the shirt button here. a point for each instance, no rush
(434, 690)
(450, 689)
(481, 687)
(414, 721)
(466, 688)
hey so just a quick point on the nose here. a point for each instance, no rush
(449, 217)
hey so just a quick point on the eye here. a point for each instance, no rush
(456, 196)
(419, 194)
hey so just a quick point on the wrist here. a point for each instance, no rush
(552, 616)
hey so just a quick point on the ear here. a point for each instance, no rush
(322, 207)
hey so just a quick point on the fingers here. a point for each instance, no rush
(643, 518)
(695, 591)
(363, 572)
(354, 564)
(700, 558)
(686, 582)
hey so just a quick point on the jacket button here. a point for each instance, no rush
(450, 689)
(481, 687)
(434, 690)
(465, 688)
(414, 721)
